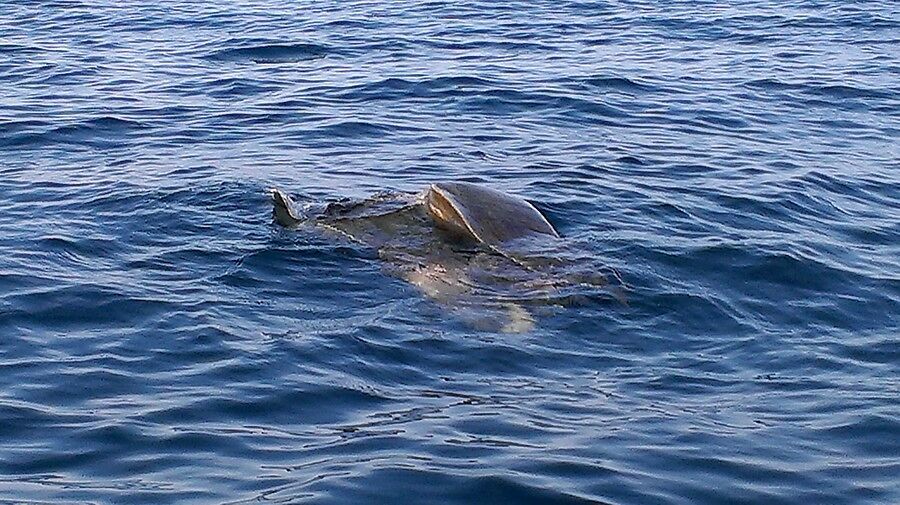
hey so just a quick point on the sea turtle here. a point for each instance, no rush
(472, 248)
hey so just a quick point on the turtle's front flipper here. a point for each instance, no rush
(283, 210)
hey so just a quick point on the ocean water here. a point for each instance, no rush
(162, 341)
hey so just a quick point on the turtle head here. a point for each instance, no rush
(283, 209)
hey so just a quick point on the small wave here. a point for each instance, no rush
(872, 430)
(272, 53)
(619, 84)
(396, 88)
(23, 125)
(772, 84)
(83, 252)
(630, 160)
(718, 120)
(326, 403)
(108, 123)
(81, 306)
(835, 91)
(350, 23)
(19, 49)
(358, 129)
(237, 87)
(845, 91)
(483, 96)
(103, 131)
(861, 20)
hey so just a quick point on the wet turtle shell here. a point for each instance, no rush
(485, 215)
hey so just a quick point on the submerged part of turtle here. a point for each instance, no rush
(475, 250)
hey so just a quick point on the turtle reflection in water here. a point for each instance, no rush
(487, 255)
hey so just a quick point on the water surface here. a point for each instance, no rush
(163, 342)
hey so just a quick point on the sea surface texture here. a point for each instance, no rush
(736, 164)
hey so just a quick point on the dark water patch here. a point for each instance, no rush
(872, 350)
(273, 53)
(693, 312)
(20, 49)
(489, 138)
(719, 120)
(355, 129)
(835, 91)
(873, 234)
(454, 486)
(787, 269)
(40, 462)
(887, 41)
(620, 84)
(792, 55)
(101, 383)
(26, 417)
(845, 92)
(362, 129)
(871, 434)
(353, 23)
(774, 84)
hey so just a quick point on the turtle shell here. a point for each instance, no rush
(483, 214)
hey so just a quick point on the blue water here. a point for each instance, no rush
(161, 341)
